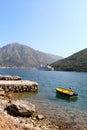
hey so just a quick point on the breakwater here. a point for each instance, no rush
(11, 84)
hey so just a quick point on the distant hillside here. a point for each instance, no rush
(75, 62)
(22, 56)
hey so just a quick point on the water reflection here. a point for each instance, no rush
(23, 95)
(64, 97)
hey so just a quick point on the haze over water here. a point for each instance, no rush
(72, 112)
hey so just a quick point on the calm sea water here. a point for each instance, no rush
(46, 100)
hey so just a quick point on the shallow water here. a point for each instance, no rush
(71, 112)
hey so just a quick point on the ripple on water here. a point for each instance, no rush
(69, 116)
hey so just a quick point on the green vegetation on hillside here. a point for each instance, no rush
(75, 62)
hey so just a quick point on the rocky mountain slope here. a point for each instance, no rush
(75, 62)
(22, 56)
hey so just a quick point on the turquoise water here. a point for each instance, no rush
(46, 100)
(49, 80)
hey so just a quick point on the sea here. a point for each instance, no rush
(72, 112)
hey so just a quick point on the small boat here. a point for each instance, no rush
(66, 92)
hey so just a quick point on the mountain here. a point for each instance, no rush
(22, 56)
(75, 62)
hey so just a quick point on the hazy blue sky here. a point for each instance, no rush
(53, 26)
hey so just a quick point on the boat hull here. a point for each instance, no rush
(66, 92)
(67, 98)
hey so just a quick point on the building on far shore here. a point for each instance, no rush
(46, 68)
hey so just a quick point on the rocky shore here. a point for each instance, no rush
(19, 114)
(23, 115)
(9, 77)
(29, 119)
(16, 84)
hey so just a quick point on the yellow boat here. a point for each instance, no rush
(66, 92)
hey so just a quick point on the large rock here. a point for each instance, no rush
(21, 108)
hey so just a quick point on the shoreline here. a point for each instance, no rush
(62, 117)
(27, 123)
(55, 118)
(72, 119)
(15, 84)
(48, 123)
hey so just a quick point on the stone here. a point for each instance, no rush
(9, 77)
(18, 86)
(21, 108)
(40, 117)
(2, 93)
(36, 128)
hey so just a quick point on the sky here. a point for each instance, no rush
(53, 26)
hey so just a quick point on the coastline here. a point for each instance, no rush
(60, 120)
(9, 120)
(26, 123)
(49, 122)
(60, 117)
(72, 118)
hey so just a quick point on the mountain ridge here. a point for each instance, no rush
(23, 56)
